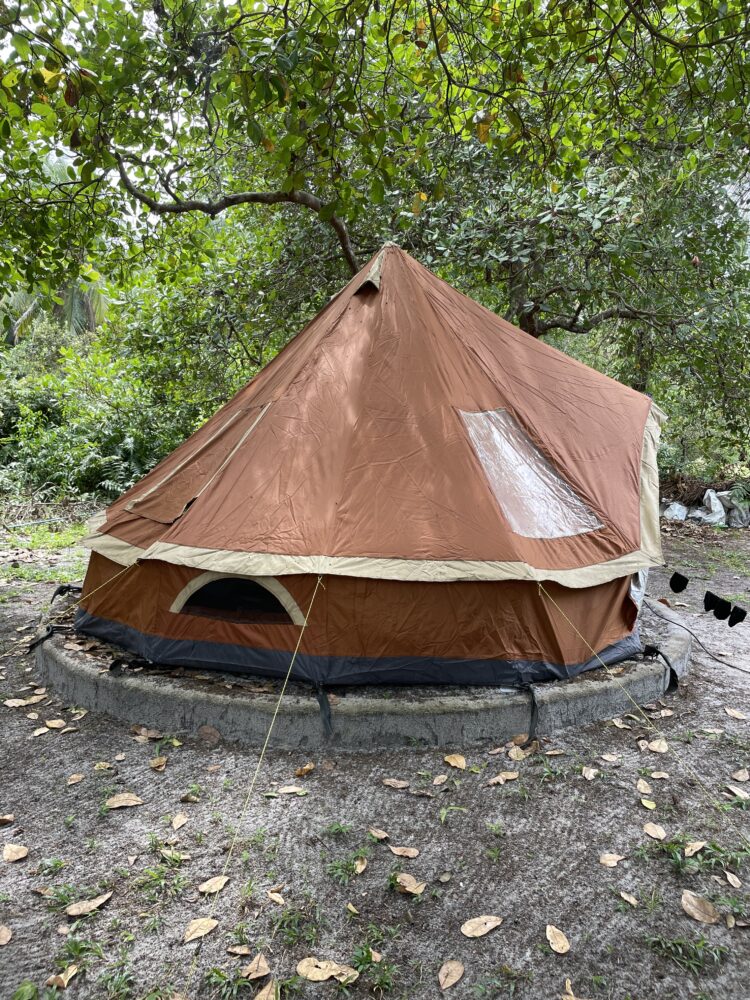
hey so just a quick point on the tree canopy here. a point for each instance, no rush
(578, 166)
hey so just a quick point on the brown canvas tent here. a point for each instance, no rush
(426, 460)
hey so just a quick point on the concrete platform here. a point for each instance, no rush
(241, 709)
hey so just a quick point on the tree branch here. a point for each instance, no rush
(178, 206)
(573, 325)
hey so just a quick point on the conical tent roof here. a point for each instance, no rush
(408, 433)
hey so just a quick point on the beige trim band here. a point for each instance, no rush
(96, 521)
(113, 548)
(265, 564)
(650, 530)
(273, 586)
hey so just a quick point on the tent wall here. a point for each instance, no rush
(371, 631)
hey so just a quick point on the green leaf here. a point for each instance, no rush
(21, 45)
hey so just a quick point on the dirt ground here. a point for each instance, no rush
(527, 850)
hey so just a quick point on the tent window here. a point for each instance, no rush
(237, 599)
(534, 498)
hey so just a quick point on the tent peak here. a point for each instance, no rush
(375, 269)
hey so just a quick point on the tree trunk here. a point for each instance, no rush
(12, 334)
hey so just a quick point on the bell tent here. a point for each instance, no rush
(442, 497)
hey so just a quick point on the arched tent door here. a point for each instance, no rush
(258, 600)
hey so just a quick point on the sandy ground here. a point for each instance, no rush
(527, 850)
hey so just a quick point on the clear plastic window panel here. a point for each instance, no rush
(535, 499)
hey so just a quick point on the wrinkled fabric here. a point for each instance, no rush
(350, 445)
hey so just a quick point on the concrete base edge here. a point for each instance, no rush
(362, 720)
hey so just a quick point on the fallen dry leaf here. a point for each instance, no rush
(359, 865)
(698, 908)
(450, 973)
(239, 949)
(123, 800)
(456, 760)
(569, 994)
(212, 885)
(742, 775)
(610, 757)
(303, 771)
(14, 852)
(256, 969)
(740, 793)
(102, 765)
(648, 803)
(404, 852)
(198, 928)
(693, 847)
(377, 834)
(620, 724)
(479, 926)
(733, 880)
(643, 787)
(7, 819)
(149, 734)
(655, 831)
(734, 713)
(395, 783)
(291, 790)
(517, 753)
(611, 860)
(158, 763)
(62, 979)
(271, 991)
(557, 940)
(352, 909)
(179, 821)
(75, 778)
(590, 773)
(55, 723)
(659, 775)
(658, 746)
(554, 753)
(5, 934)
(407, 883)
(629, 898)
(504, 776)
(87, 906)
(316, 971)
(440, 779)
(276, 897)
